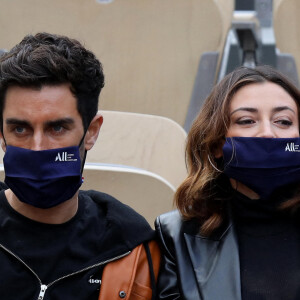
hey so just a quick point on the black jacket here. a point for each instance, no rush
(195, 267)
(124, 230)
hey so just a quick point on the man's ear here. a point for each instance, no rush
(2, 142)
(93, 132)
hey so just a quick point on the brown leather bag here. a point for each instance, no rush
(129, 277)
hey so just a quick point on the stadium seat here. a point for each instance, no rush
(149, 142)
(286, 27)
(146, 192)
(150, 49)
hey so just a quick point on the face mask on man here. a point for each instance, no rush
(43, 178)
(262, 164)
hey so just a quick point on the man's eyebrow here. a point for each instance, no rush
(249, 109)
(13, 121)
(59, 122)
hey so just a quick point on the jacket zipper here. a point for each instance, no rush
(42, 292)
(43, 287)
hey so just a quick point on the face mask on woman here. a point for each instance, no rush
(262, 164)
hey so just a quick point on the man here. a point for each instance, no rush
(57, 242)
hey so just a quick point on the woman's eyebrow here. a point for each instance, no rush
(249, 109)
(280, 108)
(255, 110)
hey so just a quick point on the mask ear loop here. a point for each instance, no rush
(84, 155)
(235, 189)
(83, 162)
(213, 164)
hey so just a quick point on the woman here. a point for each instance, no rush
(236, 232)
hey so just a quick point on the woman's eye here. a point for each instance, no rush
(284, 122)
(245, 122)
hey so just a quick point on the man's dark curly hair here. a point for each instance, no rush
(49, 59)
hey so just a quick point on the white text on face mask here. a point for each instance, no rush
(291, 147)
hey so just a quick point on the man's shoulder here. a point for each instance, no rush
(98, 197)
(3, 186)
(134, 227)
(112, 206)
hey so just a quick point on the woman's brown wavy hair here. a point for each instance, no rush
(203, 194)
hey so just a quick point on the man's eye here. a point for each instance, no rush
(57, 128)
(19, 129)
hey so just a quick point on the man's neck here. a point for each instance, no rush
(55, 215)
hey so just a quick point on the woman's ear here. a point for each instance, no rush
(218, 151)
(93, 132)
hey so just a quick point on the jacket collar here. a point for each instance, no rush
(216, 265)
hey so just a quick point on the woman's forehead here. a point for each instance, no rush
(262, 95)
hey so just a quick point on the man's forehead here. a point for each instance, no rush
(48, 104)
(50, 97)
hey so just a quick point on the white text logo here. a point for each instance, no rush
(91, 280)
(291, 147)
(64, 156)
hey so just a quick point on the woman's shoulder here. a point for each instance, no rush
(173, 216)
(169, 231)
(173, 225)
(169, 223)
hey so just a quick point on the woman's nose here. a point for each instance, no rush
(266, 130)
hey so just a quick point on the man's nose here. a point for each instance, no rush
(39, 142)
(266, 130)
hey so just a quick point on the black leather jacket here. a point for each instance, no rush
(195, 267)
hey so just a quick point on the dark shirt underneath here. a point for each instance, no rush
(269, 249)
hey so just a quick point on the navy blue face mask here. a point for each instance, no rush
(262, 164)
(43, 178)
